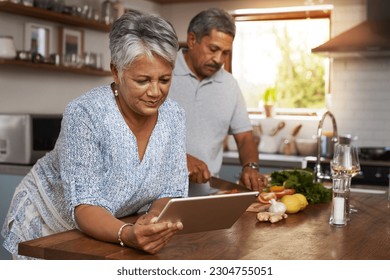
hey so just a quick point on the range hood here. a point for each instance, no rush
(371, 38)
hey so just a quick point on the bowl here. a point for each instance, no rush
(306, 146)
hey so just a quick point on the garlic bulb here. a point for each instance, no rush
(277, 207)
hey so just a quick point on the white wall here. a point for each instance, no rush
(360, 87)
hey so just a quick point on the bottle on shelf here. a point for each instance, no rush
(119, 9)
(107, 12)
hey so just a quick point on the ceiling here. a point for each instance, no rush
(180, 1)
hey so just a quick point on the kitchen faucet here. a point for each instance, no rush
(318, 174)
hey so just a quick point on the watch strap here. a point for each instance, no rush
(253, 165)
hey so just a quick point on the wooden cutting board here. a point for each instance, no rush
(257, 207)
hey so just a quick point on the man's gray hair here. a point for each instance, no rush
(214, 18)
(135, 34)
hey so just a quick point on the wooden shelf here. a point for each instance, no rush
(51, 67)
(39, 13)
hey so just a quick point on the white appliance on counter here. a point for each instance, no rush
(24, 138)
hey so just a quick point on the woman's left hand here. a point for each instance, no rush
(150, 236)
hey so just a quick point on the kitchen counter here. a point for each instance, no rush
(306, 235)
(10, 178)
(268, 160)
(14, 169)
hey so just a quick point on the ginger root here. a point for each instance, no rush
(271, 217)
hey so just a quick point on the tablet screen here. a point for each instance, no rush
(204, 213)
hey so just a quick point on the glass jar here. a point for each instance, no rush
(107, 12)
(28, 3)
(7, 47)
(43, 4)
(58, 5)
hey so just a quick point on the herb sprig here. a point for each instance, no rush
(302, 180)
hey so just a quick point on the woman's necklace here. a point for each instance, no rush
(131, 125)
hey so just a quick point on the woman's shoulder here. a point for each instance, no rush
(96, 99)
(93, 95)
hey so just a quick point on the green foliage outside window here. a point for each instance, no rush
(276, 54)
(300, 80)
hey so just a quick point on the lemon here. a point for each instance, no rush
(293, 203)
(302, 199)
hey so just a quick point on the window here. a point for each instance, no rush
(272, 51)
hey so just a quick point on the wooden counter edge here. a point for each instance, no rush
(36, 248)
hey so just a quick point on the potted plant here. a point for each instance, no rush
(269, 98)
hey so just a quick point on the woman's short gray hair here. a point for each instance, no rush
(214, 18)
(135, 34)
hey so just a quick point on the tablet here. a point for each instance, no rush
(205, 213)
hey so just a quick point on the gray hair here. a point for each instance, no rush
(214, 18)
(135, 34)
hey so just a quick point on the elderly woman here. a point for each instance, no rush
(121, 148)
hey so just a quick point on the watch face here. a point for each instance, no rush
(252, 165)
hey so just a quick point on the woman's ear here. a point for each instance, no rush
(114, 72)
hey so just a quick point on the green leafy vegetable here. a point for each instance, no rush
(302, 180)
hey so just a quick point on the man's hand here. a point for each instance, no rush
(197, 170)
(253, 180)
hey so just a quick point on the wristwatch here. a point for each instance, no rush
(253, 165)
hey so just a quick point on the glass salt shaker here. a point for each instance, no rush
(339, 213)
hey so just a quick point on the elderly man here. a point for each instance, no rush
(212, 100)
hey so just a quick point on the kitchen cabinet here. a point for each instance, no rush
(10, 177)
(19, 9)
(8, 183)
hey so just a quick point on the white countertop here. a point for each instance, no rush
(269, 160)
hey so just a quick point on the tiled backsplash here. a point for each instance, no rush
(361, 99)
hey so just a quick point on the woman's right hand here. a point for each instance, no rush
(148, 235)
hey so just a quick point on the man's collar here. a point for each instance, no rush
(182, 69)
